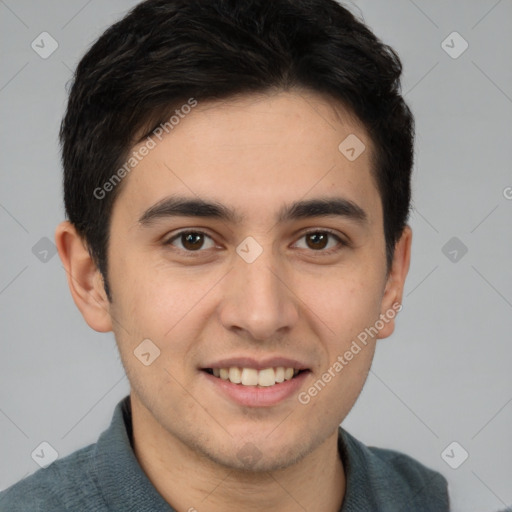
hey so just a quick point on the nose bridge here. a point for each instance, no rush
(258, 299)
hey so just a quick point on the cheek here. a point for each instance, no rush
(158, 309)
(348, 303)
(163, 304)
(330, 396)
(346, 300)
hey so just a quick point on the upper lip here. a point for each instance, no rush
(257, 364)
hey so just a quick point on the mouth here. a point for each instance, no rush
(251, 377)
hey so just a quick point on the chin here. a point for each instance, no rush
(260, 462)
(259, 455)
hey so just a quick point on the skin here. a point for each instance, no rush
(252, 154)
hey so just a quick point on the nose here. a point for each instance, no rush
(258, 299)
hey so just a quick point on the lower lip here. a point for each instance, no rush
(254, 396)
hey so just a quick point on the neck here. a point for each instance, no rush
(189, 481)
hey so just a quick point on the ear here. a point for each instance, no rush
(84, 279)
(392, 298)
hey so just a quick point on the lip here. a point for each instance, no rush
(257, 364)
(254, 396)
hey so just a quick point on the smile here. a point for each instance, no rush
(257, 378)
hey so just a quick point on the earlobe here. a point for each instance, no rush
(392, 298)
(84, 279)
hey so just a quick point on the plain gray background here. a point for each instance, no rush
(443, 376)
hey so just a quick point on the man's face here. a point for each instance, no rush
(251, 291)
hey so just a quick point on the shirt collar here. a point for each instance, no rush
(124, 485)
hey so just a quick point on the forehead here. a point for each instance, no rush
(253, 152)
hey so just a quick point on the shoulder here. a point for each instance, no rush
(394, 478)
(406, 471)
(67, 484)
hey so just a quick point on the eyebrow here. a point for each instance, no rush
(177, 206)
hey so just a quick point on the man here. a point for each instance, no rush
(237, 186)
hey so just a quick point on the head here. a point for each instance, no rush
(213, 209)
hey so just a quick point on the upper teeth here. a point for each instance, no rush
(253, 377)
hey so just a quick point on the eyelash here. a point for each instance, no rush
(342, 243)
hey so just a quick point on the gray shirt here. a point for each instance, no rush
(106, 477)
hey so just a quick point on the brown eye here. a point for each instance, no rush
(317, 240)
(190, 241)
(322, 241)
